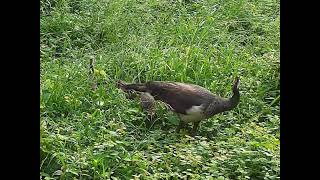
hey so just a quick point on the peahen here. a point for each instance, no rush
(191, 102)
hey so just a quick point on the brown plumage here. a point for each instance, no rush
(148, 103)
(191, 102)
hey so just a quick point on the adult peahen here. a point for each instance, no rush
(191, 102)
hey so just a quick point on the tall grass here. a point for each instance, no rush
(99, 134)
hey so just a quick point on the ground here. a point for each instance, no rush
(100, 134)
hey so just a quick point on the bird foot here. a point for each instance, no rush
(193, 133)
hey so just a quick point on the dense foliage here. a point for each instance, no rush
(100, 134)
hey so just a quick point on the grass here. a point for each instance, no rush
(100, 134)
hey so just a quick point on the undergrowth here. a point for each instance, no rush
(100, 134)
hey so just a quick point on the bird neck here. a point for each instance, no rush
(221, 105)
(234, 100)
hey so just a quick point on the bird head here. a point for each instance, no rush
(235, 87)
(120, 84)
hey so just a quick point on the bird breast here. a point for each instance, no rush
(193, 114)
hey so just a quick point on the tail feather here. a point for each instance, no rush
(136, 87)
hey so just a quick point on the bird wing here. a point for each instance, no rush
(179, 96)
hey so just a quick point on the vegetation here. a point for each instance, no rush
(100, 134)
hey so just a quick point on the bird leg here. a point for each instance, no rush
(150, 119)
(195, 128)
(181, 125)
